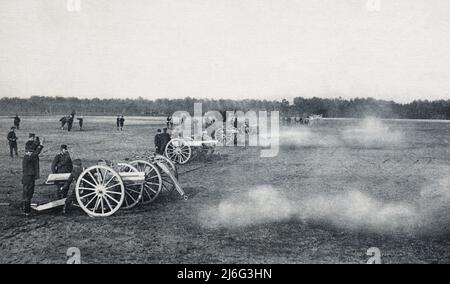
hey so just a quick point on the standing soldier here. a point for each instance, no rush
(12, 139)
(80, 122)
(62, 163)
(70, 119)
(122, 122)
(17, 122)
(165, 138)
(29, 175)
(158, 142)
(118, 122)
(33, 143)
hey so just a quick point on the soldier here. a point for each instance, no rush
(118, 122)
(29, 175)
(62, 163)
(76, 172)
(12, 139)
(158, 142)
(17, 122)
(80, 122)
(33, 143)
(70, 119)
(169, 123)
(63, 121)
(121, 121)
(165, 138)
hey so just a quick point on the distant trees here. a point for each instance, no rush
(337, 107)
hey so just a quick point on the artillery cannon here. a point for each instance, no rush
(101, 190)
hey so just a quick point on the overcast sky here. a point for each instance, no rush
(269, 49)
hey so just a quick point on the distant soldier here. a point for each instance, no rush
(70, 119)
(62, 163)
(80, 122)
(118, 122)
(29, 175)
(12, 140)
(63, 121)
(158, 147)
(165, 138)
(76, 172)
(169, 123)
(121, 122)
(17, 122)
(235, 124)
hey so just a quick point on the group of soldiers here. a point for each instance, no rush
(295, 120)
(120, 121)
(69, 119)
(62, 163)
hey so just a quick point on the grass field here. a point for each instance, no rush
(333, 191)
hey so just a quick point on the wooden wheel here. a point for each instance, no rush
(153, 180)
(133, 190)
(100, 191)
(224, 137)
(178, 151)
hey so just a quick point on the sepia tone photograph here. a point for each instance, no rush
(223, 132)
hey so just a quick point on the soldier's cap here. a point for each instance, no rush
(31, 135)
(165, 129)
(159, 130)
(13, 127)
(63, 147)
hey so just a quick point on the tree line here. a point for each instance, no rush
(337, 107)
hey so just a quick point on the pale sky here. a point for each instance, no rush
(226, 49)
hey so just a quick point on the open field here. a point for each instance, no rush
(333, 191)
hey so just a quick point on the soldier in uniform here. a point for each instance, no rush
(122, 122)
(165, 138)
(158, 142)
(12, 139)
(33, 143)
(80, 122)
(118, 122)
(63, 121)
(29, 175)
(17, 122)
(62, 163)
(70, 122)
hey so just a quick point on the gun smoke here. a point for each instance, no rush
(350, 210)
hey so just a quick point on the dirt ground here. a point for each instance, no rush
(333, 191)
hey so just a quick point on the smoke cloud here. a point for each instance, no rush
(350, 210)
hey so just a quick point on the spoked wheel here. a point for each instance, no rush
(224, 137)
(133, 190)
(153, 180)
(100, 191)
(178, 151)
(167, 183)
